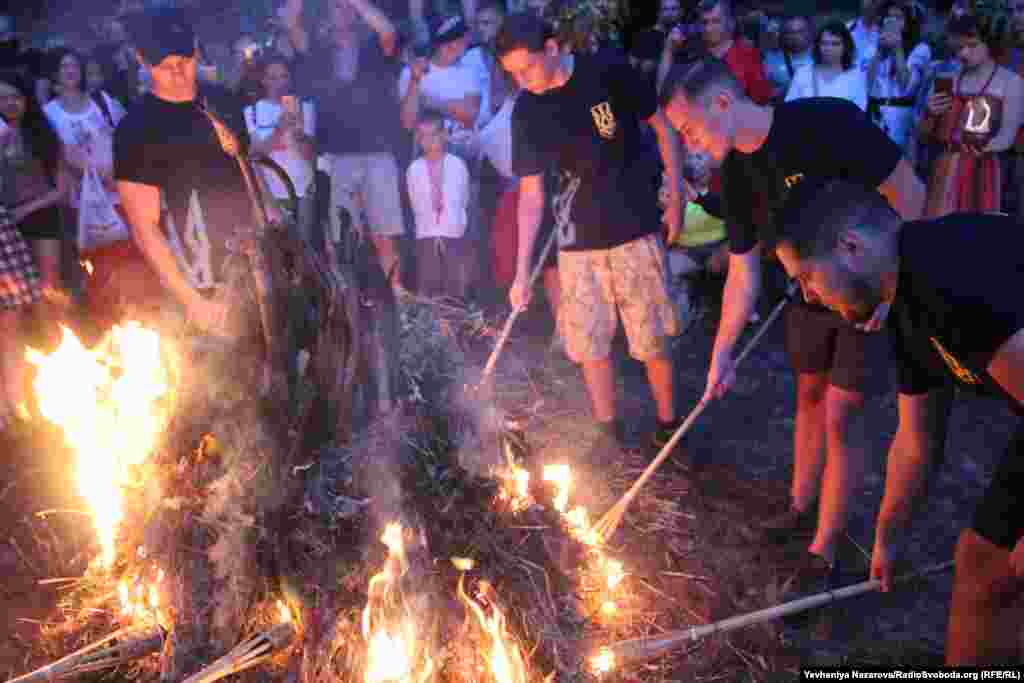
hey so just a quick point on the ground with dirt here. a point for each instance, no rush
(739, 456)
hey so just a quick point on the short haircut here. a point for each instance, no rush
(58, 55)
(973, 26)
(817, 213)
(708, 5)
(430, 117)
(497, 5)
(522, 30)
(695, 78)
(836, 28)
(912, 22)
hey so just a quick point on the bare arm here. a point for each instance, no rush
(1013, 115)
(141, 203)
(672, 158)
(667, 60)
(530, 214)
(291, 16)
(904, 191)
(380, 24)
(918, 444)
(409, 106)
(742, 288)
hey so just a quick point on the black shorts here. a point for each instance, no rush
(999, 517)
(44, 224)
(820, 341)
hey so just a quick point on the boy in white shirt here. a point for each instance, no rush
(439, 194)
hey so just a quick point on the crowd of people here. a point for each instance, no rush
(450, 152)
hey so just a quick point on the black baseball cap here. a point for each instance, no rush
(450, 30)
(161, 32)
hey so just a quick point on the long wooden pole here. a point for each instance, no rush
(638, 650)
(607, 525)
(117, 648)
(489, 367)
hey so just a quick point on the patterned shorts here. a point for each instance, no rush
(19, 277)
(602, 285)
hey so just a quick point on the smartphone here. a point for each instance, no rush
(290, 104)
(943, 85)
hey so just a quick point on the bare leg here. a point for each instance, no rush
(599, 376)
(843, 470)
(387, 251)
(984, 622)
(552, 290)
(808, 438)
(660, 377)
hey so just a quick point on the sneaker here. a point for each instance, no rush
(791, 525)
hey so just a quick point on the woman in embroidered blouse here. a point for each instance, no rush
(895, 72)
(834, 72)
(976, 121)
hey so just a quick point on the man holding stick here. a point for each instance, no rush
(851, 252)
(764, 153)
(583, 114)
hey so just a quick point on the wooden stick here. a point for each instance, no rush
(638, 650)
(127, 644)
(607, 525)
(248, 654)
(489, 367)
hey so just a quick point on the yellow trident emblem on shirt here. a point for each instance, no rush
(978, 108)
(604, 119)
(962, 373)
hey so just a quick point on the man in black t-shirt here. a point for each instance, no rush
(764, 152)
(851, 252)
(583, 115)
(168, 153)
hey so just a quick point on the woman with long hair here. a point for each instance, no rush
(835, 72)
(29, 195)
(974, 116)
(896, 70)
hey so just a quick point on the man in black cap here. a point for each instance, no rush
(182, 145)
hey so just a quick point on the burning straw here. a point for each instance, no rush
(120, 647)
(640, 650)
(250, 653)
(607, 525)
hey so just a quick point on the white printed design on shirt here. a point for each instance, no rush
(197, 261)
(562, 203)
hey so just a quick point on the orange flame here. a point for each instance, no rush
(515, 489)
(503, 657)
(87, 265)
(603, 661)
(112, 405)
(145, 603)
(389, 627)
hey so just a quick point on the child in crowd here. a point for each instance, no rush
(439, 193)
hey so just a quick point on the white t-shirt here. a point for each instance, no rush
(455, 191)
(496, 139)
(477, 62)
(442, 83)
(90, 131)
(261, 120)
(850, 84)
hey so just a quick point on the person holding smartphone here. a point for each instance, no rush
(974, 118)
(282, 128)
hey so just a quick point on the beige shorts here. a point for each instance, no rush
(602, 285)
(366, 185)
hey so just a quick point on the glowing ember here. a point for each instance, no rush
(609, 608)
(87, 266)
(503, 656)
(112, 404)
(389, 626)
(561, 477)
(285, 614)
(515, 489)
(140, 599)
(603, 661)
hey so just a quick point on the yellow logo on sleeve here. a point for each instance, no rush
(957, 368)
(604, 119)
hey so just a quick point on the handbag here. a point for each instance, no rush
(99, 222)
